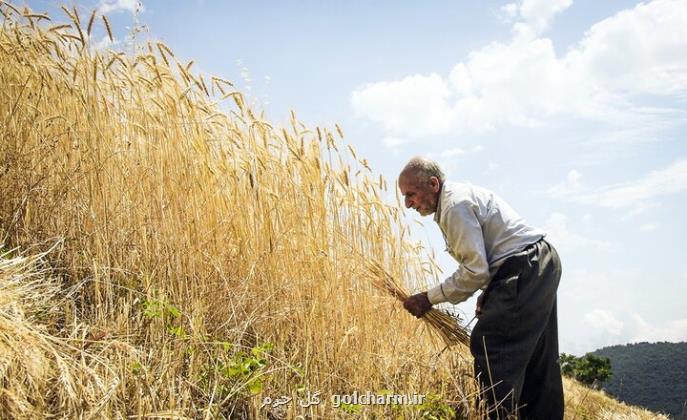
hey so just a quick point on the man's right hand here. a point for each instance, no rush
(418, 304)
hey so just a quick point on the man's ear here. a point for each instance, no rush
(434, 183)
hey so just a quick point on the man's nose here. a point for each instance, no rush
(408, 202)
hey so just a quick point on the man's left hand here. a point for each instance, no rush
(418, 304)
(480, 303)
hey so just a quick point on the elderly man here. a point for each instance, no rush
(515, 340)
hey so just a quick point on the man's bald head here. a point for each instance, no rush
(420, 169)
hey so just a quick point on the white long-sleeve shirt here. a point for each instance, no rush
(481, 231)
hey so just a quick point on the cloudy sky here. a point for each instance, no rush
(574, 111)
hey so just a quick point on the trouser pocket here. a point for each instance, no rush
(499, 307)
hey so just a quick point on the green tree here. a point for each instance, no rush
(588, 369)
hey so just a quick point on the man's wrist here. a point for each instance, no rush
(436, 295)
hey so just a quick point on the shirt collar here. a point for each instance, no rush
(437, 214)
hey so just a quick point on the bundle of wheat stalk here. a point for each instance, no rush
(442, 323)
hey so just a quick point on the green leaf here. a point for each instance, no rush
(255, 386)
(231, 371)
(261, 350)
(173, 311)
(350, 408)
(177, 331)
(152, 309)
(298, 370)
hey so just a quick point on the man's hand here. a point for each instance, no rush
(480, 302)
(418, 304)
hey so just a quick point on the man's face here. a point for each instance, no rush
(421, 196)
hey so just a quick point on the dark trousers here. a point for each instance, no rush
(515, 340)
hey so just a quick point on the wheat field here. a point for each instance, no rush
(168, 252)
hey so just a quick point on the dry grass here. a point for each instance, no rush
(586, 403)
(44, 374)
(190, 261)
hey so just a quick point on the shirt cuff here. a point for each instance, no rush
(436, 295)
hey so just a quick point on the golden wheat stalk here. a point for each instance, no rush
(108, 28)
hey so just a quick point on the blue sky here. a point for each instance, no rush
(573, 111)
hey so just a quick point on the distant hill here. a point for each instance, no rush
(651, 375)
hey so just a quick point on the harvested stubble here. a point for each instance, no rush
(199, 266)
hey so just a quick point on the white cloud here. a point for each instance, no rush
(604, 321)
(524, 82)
(453, 152)
(392, 142)
(557, 230)
(132, 6)
(574, 179)
(570, 186)
(510, 10)
(104, 43)
(589, 319)
(648, 227)
(673, 331)
(491, 167)
(637, 195)
(670, 180)
(638, 50)
(449, 159)
(535, 14)
(601, 327)
(392, 103)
